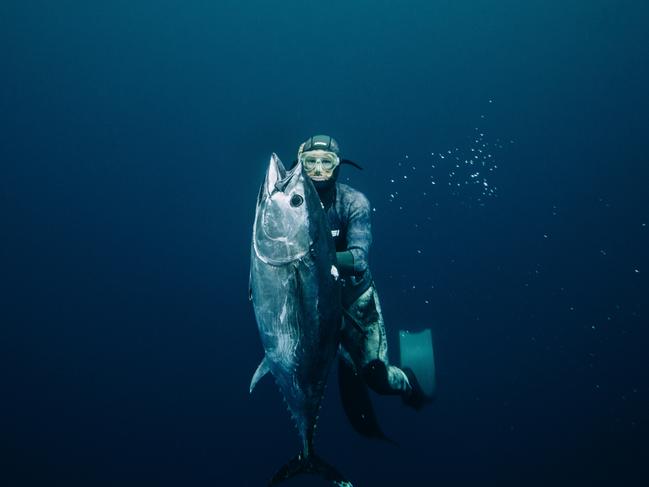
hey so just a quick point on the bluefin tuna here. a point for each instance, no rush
(296, 298)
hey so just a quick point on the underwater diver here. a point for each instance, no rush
(364, 350)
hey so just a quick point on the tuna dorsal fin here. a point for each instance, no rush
(261, 371)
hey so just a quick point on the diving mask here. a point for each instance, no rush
(319, 165)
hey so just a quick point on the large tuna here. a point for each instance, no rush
(295, 293)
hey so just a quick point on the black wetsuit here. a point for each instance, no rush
(349, 211)
(363, 335)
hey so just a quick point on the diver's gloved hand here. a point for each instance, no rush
(345, 262)
(416, 399)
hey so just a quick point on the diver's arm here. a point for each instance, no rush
(359, 233)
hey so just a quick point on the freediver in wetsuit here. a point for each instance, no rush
(364, 344)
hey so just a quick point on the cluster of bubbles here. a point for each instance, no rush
(467, 171)
(465, 174)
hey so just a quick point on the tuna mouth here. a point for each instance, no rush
(275, 174)
(288, 177)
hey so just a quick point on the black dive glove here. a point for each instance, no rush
(345, 262)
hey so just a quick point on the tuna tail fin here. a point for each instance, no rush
(310, 465)
(261, 371)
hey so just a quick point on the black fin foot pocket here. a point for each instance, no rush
(417, 398)
(310, 465)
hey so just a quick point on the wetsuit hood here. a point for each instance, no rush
(329, 144)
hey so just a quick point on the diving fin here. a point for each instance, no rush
(357, 403)
(261, 371)
(416, 350)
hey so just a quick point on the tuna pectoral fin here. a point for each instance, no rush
(357, 403)
(310, 465)
(261, 371)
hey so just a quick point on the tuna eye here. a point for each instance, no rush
(296, 200)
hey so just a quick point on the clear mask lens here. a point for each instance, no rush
(327, 162)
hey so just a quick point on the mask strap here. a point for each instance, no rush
(351, 163)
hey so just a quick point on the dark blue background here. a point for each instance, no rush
(133, 137)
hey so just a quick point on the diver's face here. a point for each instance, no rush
(319, 165)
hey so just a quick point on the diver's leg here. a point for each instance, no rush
(364, 339)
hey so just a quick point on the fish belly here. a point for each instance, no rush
(299, 333)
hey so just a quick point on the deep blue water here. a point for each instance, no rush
(133, 138)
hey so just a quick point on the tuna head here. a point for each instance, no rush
(281, 232)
